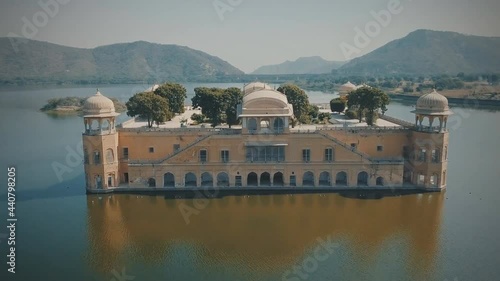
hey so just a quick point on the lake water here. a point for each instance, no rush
(63, 234)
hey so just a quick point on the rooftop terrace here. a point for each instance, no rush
(337, 121)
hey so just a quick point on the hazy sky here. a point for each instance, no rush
(246, 33)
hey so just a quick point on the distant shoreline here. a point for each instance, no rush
(465, 102)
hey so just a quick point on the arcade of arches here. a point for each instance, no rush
(265, 179)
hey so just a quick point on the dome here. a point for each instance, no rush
(255, 86)
(266, 102)
(347, 87)
(98, 105)
(432, 104)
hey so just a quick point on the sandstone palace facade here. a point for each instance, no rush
(265, 151)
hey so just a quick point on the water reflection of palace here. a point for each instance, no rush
(270, 233)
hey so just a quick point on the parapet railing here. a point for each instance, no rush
(395, 160)
(362, 128)
(394, 120)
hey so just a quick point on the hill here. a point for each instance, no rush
(304, 65)
(42, 62)
(430, 52)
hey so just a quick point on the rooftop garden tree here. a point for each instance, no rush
(369, 101)
(175, 94)
(149, 106)
(299, 100)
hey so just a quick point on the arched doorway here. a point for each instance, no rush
(168, 180)
(98, 182)
(278, 179)
(207, 180)
(308, 179)
(111, 180)
(152, 182)
(324, 179)
(190, 180)
(252, 179)
(341, 178)
(222, 179)
(380, 181)
(265, 179)
(363, 179)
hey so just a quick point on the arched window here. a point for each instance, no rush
(206, 179)
(279, 125)
(105, 125)
(168, 180)
(190, 180)
(109, 156)
(324, 179)
(94, 125)
(222, 179)
(252, 124)
(264, 123)
(97, 157)
(421, 179)
(434, 180)
(85, 156)
(380, 181)
(362, 179)
(308, 179)
(341, 178)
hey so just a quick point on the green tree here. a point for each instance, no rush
(324, 116)
(175, 94)
(313, 111)
(198, 118)
(298, 99)
(369, 101)
(232, 97)
(149, 106)
(211, 101)
(337, 105)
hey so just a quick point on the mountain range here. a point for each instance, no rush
(34, 61)
(421, 52)
(303, 65)
(430, 52)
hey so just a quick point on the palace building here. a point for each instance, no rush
(266, 151)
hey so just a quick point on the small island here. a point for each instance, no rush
(74, 105)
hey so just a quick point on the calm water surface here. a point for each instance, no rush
(63, 234)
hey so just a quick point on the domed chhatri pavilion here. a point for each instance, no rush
(265, 152)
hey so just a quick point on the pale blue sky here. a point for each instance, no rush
(254, 32)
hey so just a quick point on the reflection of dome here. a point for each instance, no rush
(255, 86)
(432, 104)
(98, 105)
